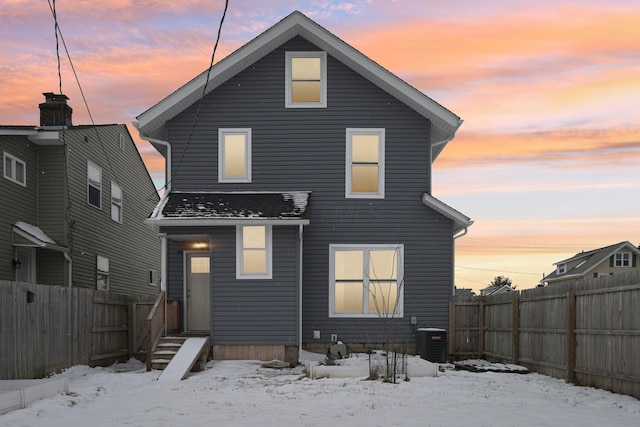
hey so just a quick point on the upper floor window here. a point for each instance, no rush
(116, 202)
(622, 259)
(306, 79)
(561, 268)
(234, 155)
(253, 252)
(364, 175)
(15, 169)
(366, 280)
(94, 185)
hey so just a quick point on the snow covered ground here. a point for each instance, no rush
(242, 393)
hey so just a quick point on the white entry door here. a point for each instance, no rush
(197, 291)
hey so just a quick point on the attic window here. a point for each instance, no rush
(306, 79)
(562, 268)
(622, 259)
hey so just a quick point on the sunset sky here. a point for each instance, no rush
(547, 161)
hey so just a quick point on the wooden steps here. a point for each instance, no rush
(168, 347)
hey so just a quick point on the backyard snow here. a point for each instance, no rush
(242, 393)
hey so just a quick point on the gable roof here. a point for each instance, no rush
(152, 123)
(587, 261)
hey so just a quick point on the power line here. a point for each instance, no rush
(497, 271)
(204, 92)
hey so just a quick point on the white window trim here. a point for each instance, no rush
(247, 161)
(561, 268)
(153, 277)
(13, 176)
(332, 273)
(623, 261)
(90, 163)
(240, 275)
(380, 132)
(118, 204)
(323, 79)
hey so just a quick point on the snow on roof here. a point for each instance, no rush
(35, 232)
(235, 205)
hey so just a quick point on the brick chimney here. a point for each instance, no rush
(54, 111)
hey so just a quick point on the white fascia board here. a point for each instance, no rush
(460, 220)
(222, 222)
(152, 121)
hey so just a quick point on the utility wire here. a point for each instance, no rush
(497, 271)
(204, 92)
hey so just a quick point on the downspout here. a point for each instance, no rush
(163, 254)
(167, 168)
(300, 293)
(69, 305)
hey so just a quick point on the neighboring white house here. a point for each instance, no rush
(619, 258)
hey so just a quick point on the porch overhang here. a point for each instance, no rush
(220, 209)
(33, 236)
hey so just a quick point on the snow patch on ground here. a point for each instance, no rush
(242, 393)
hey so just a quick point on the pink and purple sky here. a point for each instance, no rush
(547, 162)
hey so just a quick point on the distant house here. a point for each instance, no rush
(298, 208)
(619, 258)
(73, 201)
(495, 290)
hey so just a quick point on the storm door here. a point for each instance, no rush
(25, 264)
(197, 291)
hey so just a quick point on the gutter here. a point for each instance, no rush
(167, 168)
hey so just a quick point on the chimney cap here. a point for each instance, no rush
(50, 96)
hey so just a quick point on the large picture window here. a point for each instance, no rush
(234, 155)
(366, 280)
(364, 174)
(306, 80)
(253, 252)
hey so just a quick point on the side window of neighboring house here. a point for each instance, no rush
(116, 202)
(306, 79)
(102, 273)
(94, 185)
(366, 280)
(121, 139)
(622, 259)
(153, 277)
(15, 169)
(253, 252)
(364, 174)
(234, 155)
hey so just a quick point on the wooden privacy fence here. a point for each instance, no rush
(587, 332)
(44, 329)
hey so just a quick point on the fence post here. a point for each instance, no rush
(570, 351)
(452, 329)
(480, 329)
(515, 330)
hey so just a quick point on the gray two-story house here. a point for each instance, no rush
(298, 206)
(73, 204)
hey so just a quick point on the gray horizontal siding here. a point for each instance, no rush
(304, 149)
(132, 246)
(17, 203)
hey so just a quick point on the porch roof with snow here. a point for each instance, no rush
(152, 123)
(34, 237)
(231, 208)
